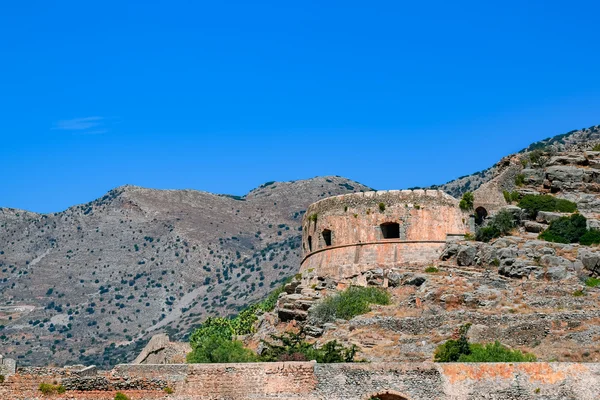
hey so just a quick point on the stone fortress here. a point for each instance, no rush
(346, 235)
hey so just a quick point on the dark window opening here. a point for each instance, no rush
(480, 214)
(388, 396)
(327, 237)
(390, 230)
(310, 243)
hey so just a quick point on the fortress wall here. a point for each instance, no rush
(310, 381)
(425, 218)
(346, 262)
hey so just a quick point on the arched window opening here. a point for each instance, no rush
(480, 214)
(310, 243)
(390, 230)
(327, 237)
(387, 396)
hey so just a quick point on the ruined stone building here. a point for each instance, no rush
(346, 235)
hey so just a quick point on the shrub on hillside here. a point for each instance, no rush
(219, 349)
(592, 236)
(467, 201)
(535, 203)
(293, 347)
(462, 351)
(349, 303)
(567, 230)
(121, 396)
(501, 224)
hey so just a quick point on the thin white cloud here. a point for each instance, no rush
(78, 124)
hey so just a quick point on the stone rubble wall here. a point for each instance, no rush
(311, 381)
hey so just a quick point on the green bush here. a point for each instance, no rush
(467, 201)
(578, 293)
(121, 396)
(431, 270)
(1, 378)
(566, 229)
(462, 351)
(48, 389)
(168, 390)
(494, 352)
(592, 236)
(511, 196)
(501, 224)
(216, 348)
(535, 203)
(592, 282)
(381, 207)
(596, 147)
(349, 303)
(520, 180)
(292, 347)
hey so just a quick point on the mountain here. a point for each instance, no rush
(91, 284)
(558, 143)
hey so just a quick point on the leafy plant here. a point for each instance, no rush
(2, 378)
(349, 303)
(592, 282)
(535, 203)
(467, 201)
(501, 224)
(168, 390)
(431, 270)
(48, 389)
(292, 346)
(592, 236)
(596, 147)
(566, 230)
(219, 349)
(578, 293)
(511, 197)
(462, 351)
(520, 180)
(121, 396)
(381, 207)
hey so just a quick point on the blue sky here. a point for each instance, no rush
(224, 95)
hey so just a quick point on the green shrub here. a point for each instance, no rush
(381, 207)
(592, 282)
(462, 351)
(121, 396)
(494, 352)
(467, 201)
(566, 229)
(2, 378)
(511, 196)
(535, 203)
(292, 347)
(349, 303)
(501, 224)
(48, 389)
(596, 147)
(592, 236)
(578, 293)
(520, 180)
(431, 270)
(168, 390)
(218, 349)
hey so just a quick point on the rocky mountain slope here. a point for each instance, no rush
(91, 284)
(530, 294)
(553, 144)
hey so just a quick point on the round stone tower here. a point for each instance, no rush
(346, 235)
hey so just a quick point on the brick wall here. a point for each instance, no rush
(310, 381)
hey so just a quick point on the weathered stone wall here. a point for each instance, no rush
(425, 220)
(310, 381)
(8, 366)
(489, 196)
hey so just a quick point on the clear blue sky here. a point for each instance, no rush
(224, 95)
